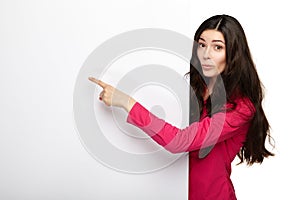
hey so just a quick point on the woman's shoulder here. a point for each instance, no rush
(242, 105)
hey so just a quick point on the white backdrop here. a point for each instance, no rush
(43, 45)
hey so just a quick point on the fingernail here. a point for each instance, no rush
(100, 98)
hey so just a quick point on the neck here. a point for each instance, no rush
(210, 87)
(211, 84)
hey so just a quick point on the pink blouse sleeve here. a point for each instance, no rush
(206, 132)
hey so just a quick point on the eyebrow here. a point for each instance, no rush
(213, 40)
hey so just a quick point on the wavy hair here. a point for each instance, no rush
(240, 79)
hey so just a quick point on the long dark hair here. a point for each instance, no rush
(240, 79)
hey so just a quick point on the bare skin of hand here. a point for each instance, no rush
(112, 96)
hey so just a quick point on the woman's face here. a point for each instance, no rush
(212, 52)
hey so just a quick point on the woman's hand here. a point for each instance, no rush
(113, 97)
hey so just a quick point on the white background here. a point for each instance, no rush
(43, 45)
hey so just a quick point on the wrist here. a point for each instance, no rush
(129, 104)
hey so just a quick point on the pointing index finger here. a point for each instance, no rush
(98, 82)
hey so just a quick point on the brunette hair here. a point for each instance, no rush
(240, 79)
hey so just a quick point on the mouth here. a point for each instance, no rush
(207, 67)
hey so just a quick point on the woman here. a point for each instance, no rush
(228, 117)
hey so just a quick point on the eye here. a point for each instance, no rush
(218, 47)
(201, 45)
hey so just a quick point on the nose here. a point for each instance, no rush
(206, 53)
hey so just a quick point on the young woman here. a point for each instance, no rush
(227, 118)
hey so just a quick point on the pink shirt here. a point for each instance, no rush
(209, 177)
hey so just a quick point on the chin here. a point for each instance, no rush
(209, 75)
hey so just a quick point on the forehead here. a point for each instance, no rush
(211, 35)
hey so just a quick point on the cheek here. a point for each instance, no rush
(199, 54)
(221, 64)
(221, 67)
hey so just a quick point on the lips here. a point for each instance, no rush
(207, 67)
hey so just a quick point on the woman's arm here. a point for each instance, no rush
(204, 133)
(207, 132)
